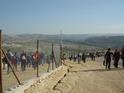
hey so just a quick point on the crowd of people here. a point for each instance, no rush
(81, 57)
(24, 60)
(116, 56)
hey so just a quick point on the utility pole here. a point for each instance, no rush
(1, 88)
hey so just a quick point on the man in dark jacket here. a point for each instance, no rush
(83, 58)
(108, 56)
(116, 58)
(122, 56)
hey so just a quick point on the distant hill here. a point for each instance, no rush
(106, 41)
(85, 39)
(49, 38)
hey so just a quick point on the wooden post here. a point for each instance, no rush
(37, 58)
(61, 54)
(1, 91)
(61, 45)
(52, 58)
(48, 67)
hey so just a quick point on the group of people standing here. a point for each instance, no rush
(79, 57)
(27, 60)
(82, 57)
(116, 56)
(23, 60)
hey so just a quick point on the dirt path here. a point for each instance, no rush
(93, 78)
(47, 85)
(89, 77)
(10, 81)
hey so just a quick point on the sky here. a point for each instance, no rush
(66, 16)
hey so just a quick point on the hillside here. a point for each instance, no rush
(54, 38)
(106, 41)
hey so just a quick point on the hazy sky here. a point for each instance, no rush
(70, 16)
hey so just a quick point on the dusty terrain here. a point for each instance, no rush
(89, 77)
(10, 81)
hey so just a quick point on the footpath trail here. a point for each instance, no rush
(89, 77)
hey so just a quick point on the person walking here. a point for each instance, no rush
(116, 57)
(75, 57)
(34, 65)
(122, 56)
(14, 61)
(9, 56)
(23, 60)
(78, 58)
(83, 58)
(108, 56)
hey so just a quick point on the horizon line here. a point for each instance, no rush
(64, 34)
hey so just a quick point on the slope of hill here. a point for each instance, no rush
(28, 41)
(106, 41)
(70, 37)
(85, 39)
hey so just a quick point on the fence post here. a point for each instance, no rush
(52, 58)
(48, 67)
(8, 61)
(37, 58)
(61, 54)
(1, 89)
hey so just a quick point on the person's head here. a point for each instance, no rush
(8, 50)
(116, 50)
(109, 49)
(23, 51)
